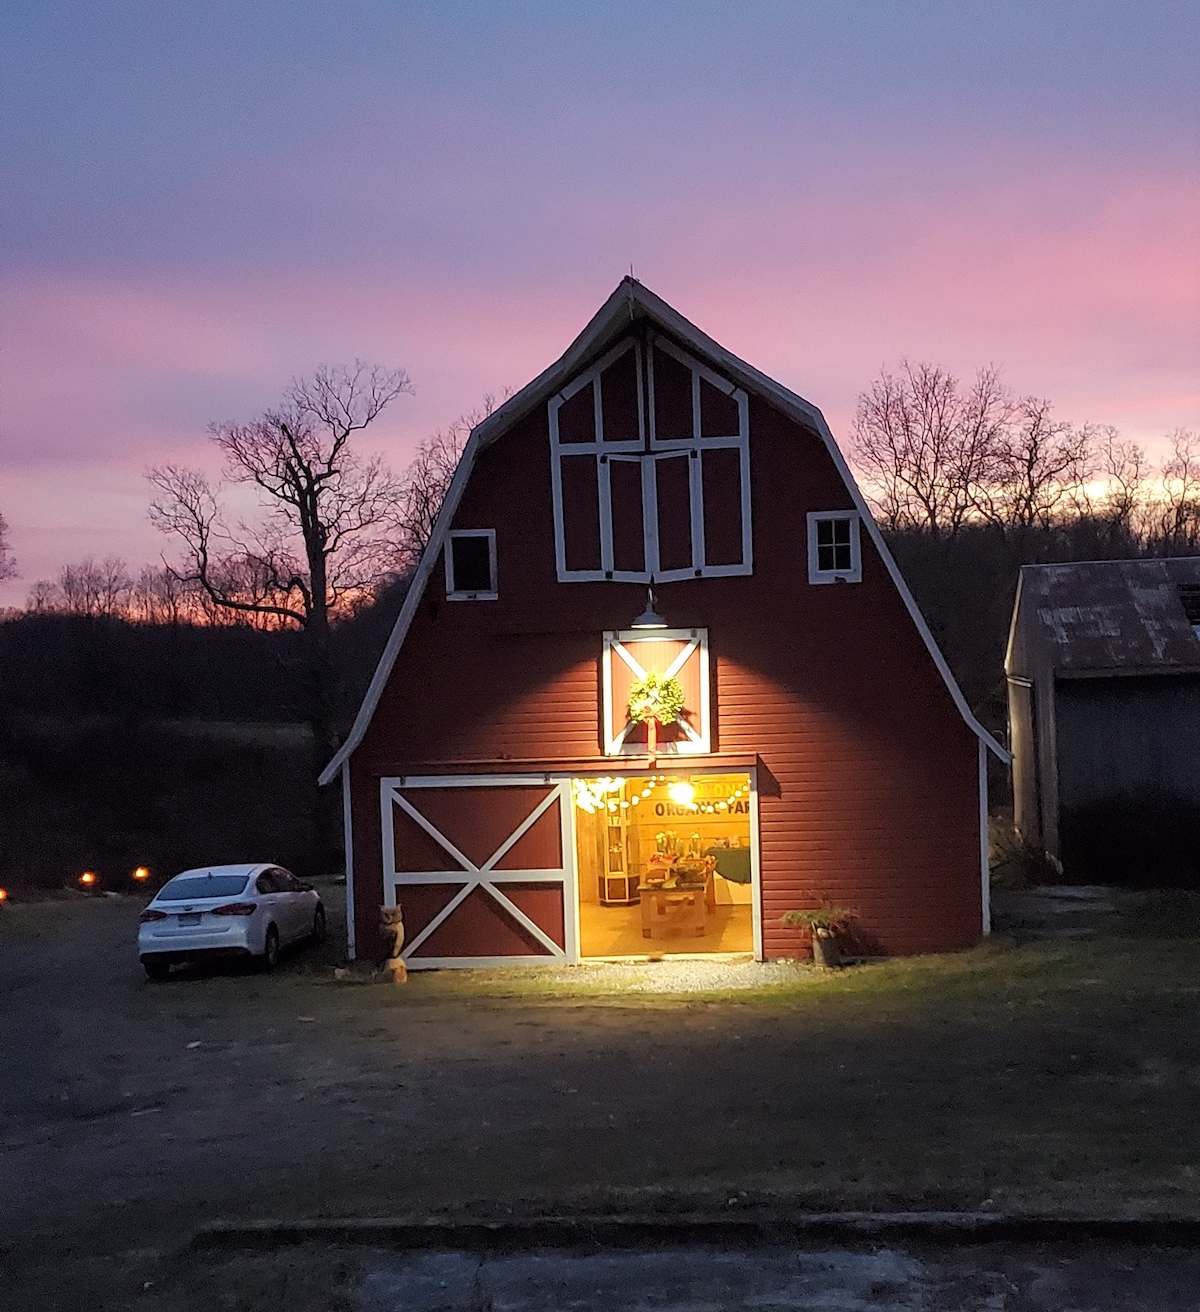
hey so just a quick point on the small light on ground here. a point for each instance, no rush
(141, 874)
(88, 879)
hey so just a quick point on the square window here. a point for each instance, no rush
(471, 565)
(834, 554)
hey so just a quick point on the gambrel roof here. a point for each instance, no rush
(630, 304)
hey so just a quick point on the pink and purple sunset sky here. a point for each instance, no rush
(203, 200)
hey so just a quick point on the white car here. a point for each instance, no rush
(248, 911)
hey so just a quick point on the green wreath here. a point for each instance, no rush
(656, 697)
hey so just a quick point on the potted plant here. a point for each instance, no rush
(826, 925)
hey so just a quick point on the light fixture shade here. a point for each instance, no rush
(649, 618)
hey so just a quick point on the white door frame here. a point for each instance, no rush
(486, 878)
(483, 876)
(617, 769)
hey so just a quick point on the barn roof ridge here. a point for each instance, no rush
(630, 303)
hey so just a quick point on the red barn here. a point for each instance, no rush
(651, 505)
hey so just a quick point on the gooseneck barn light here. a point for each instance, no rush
(650, 618)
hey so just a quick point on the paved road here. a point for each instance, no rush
(975, 1279)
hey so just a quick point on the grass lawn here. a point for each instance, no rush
(1058, 1076)
(1055, 1075)
(1052, 1076)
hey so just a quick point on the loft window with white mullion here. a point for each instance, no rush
(694, 410)
(624, 549)
(834, 547)
(689, 483)
(598, 415)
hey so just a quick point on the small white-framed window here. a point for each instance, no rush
(471, 565)
(834, 550)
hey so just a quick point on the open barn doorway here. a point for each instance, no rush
(666, 864)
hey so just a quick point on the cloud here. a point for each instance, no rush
(822, 193)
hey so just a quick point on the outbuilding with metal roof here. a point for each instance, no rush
(1103, 669)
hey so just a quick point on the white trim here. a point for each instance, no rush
(471, 780)
(630, 302)
(695, 446)
(519, 832)
(815, 573)
(571, 918)
(388, 836)
(619, 641)
(348, 844)
(469, 886)
(685, 767)
(985, 872)
(454, 593)
(648, 455)
(522, 919)
(560, 785)
(600, 450)
(484, 876)
(658, 573)
(699, 370)
(406, 878)
(478, 963)
(755, 865)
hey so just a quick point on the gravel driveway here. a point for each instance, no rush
(133, 1112)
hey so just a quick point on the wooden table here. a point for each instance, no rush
(674, 909)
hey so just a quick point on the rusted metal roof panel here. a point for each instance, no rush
(1124, 616)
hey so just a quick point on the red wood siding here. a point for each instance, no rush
(868, 785)
(477, 823)
(480, 927)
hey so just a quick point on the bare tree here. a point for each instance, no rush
(1176, 517)
(327, 531)
(98, 588)
(1118, 491)
(8, 566)
(43, 597)
(427, 480)
(92, 587)
(925, 448)
(1034, 465)
(158, 597)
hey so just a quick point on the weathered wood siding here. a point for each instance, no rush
(1129, 739)
(869, 775)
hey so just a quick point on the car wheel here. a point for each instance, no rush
(157, 969)
(318, 929)
(270, 956)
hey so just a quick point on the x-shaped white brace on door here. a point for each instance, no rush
(483, 876)
(692, 644)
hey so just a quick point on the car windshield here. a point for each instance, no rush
(189, 887)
